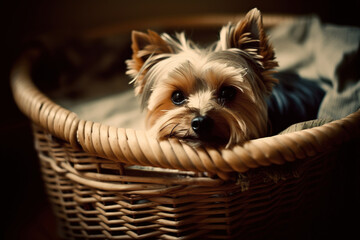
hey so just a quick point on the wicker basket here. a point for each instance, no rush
(99, 190)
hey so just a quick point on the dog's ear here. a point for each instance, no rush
(249, 35)
(144, 46)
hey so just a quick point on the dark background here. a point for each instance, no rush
(24, 205)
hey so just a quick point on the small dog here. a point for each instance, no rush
(217, 95)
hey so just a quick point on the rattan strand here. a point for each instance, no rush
(134, 147)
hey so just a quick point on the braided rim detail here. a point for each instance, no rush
(134, 147)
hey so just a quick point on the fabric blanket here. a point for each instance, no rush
(325, 53)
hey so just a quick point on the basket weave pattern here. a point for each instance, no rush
(96, 198)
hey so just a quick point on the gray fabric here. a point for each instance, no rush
(120, 110)
(327, 54)
(305, 125)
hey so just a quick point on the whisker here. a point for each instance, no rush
(171, 132)
(166, 125)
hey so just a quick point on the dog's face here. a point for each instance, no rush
(205, 96)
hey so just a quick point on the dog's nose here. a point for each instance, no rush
(202, 125)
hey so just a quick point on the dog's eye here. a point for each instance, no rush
(226, 94)
(178, 97)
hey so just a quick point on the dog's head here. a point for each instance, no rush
(214, 95)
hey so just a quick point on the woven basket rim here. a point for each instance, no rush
(135, 147)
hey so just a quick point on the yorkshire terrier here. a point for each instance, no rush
(220, 95)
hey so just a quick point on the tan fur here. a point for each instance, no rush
(242, 59)
(249, 35)
(143, 46)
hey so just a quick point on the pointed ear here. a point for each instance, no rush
(144, 46)
(249, 35)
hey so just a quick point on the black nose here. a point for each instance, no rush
(202, 125)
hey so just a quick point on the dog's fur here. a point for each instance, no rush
(225, 87)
